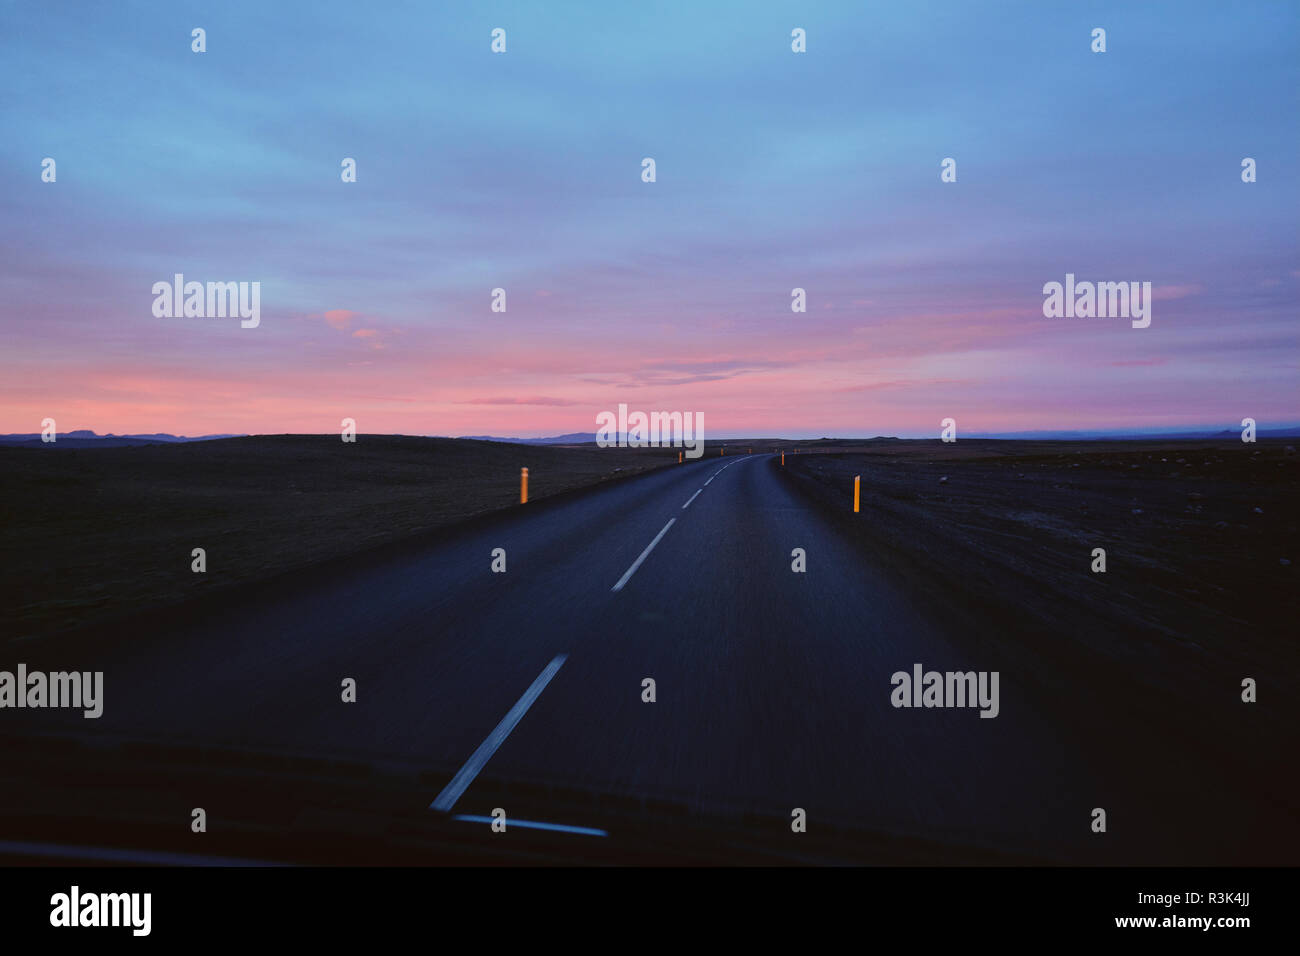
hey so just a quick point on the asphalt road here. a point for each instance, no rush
(773, 687)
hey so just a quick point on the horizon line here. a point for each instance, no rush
(1098, 432)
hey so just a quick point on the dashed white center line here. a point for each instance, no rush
(637, 563)
(650, 547)
(479, 758)
(725, 467)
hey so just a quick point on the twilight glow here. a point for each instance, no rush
(522, 171)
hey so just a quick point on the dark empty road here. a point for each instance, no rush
(773, 687)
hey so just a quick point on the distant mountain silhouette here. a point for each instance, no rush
(574, 438)
(84, 438)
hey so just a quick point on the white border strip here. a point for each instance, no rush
(479, 758)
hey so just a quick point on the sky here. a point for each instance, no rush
(522, 170)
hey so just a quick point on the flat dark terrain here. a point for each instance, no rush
(1118, 690)
(87, 533)
(1200, 537)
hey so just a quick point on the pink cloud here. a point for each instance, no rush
(903, 368)
(1176, 291)
(534, 400)
(881, 386)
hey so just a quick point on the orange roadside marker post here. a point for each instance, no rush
(523, 486)
(857, 482)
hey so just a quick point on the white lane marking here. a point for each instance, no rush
(533, 824)
(725, 467)
(479, 758)
(691, 498)
(637, 563)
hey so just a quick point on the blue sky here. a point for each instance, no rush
(522, 170)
